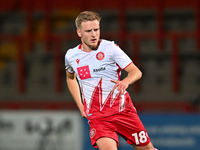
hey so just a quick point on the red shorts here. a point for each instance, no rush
(126, 124)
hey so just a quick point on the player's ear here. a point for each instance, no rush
(78, 32)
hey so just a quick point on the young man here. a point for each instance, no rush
(105, 102)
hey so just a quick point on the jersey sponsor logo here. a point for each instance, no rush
(99, 69)
(84, 72)
(92, 132)
(100, 56)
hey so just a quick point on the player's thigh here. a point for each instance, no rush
(146, 147)
(106, 143)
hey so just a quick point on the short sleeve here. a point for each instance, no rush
(68, 66)
(120, 57)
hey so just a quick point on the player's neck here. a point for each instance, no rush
(86, 48)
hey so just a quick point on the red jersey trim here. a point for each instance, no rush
(127, 65)
(118, 71)
(69, 72)
(79, 47)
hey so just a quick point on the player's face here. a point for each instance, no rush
(89, 34)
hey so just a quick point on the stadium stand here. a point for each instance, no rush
(162, 38)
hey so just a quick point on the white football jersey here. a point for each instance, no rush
(94, 71)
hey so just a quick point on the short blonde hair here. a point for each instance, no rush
(86, 16)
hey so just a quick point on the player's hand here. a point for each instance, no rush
(120, 85)
(83, 114)
(81, 109)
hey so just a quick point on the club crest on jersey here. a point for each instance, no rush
(100, 55)
(92, 132)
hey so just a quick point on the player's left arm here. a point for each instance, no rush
(134, 74)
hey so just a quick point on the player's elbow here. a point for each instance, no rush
(139, 74)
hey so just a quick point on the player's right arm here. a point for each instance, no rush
(74, 89)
